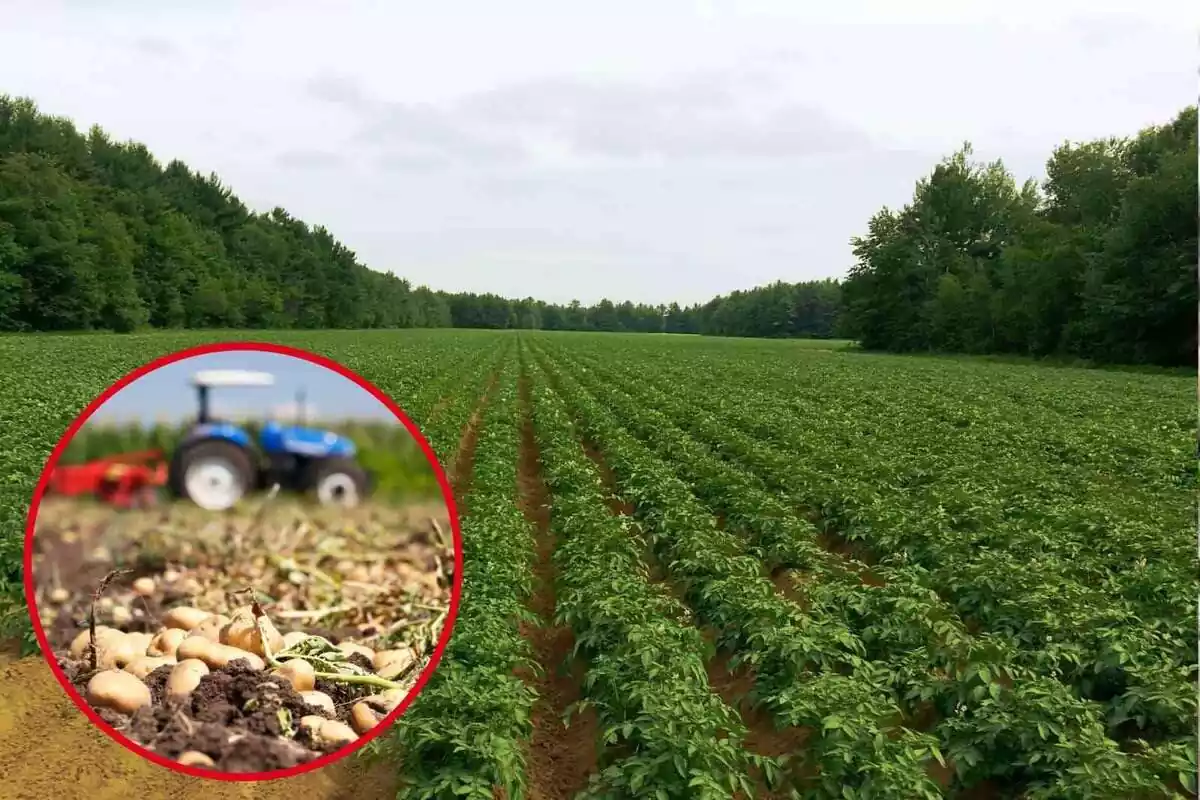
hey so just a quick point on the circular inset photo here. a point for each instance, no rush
(243, 561)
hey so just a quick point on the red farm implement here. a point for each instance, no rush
(126, 480)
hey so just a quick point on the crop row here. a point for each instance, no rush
(646, 675)
(907, 629)
(1143, 673)
(456, 401)
(1074, 476)
(465, 734)
(459, 368)
(809, 669)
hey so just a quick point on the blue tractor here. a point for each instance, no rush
(218, 462)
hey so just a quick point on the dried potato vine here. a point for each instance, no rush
(327, 661)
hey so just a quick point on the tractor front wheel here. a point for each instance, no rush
(338, 482)
(214, 474)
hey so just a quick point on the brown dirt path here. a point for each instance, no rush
(560, 757)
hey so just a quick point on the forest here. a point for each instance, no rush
(1098, 263)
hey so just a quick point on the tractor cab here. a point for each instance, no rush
(218, 461)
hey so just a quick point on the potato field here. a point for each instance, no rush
(714, 568)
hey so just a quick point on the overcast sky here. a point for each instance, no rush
(167, 394)
(651, 151)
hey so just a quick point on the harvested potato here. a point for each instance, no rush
(80, 643)
(117, 651)
(142, 666)
(186, 676)
(319, 700)
(334, 731)
(118, 690)
(144, 586)
(194, 758)
(216, 655)
(390, 664)
(312, 722)
(299, 673)
(120, 615)
(140, 641)
(184, 617)
(210, 628)
(387, 700)
(59, 596)
(166, 642)
(242, 632)
(363, 717)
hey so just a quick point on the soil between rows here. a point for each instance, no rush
(561, 756)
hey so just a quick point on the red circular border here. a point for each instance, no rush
(455, 591)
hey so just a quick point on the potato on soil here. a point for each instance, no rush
(140, 641)
(299, 673)
(194, 758)
(312, 722)
(166, 642)
(210, 628)
(389, 664)
(144, 586)
(242, 632)
(329, 730)
(186, 676)
(118, 690)
(59, 596)
(216, 655)
(118, 651)
(142, 666)
(121, 615)
(80, 643)
(319, 700)
(387, 700)
(363, 717)
(185, 618)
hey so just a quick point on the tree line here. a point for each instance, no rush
(1099, 262)
(780, 310)
(95, 234)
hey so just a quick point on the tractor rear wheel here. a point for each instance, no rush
(212, 474)
(337, 482)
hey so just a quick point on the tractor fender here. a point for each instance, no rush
(217, 430)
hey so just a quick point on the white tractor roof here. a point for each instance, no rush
(232, 377)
